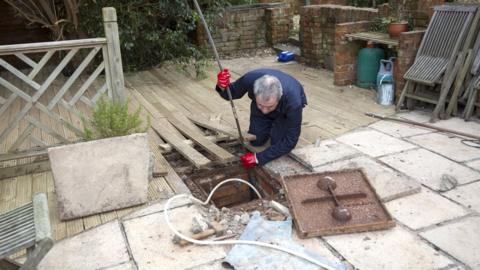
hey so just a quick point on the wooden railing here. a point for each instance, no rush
(26, 87)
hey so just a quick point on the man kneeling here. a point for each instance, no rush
(275, 112)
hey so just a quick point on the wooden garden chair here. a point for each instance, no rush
(436, 63)
(26, 227)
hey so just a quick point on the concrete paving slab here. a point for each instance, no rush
(157, 208)
(374, 143)
(474, 164)
(399, 130)
(417, 116)
(447, 146)
(285, 165)
(424, 209)
(318, 246)
(123, 266)
(391, 249)
(215, 265)
(459, 239)
(99, 248)
(466, 195)
(101, 175)
(428, 168)
(388, 183)
(459, 124)
(328, 151)
(151, 244)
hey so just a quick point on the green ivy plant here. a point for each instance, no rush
(112, 119)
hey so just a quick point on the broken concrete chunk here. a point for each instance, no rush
(244, 218)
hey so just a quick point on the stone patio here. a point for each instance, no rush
(434, 230)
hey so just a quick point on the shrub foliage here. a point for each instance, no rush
(111, 119)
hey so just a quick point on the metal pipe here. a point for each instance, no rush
(217, 58)
(424, 125)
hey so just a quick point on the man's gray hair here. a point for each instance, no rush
(267, 87)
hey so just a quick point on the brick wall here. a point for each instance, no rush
(344, 69)
(248, 27)
(279, 23)
(408, 45)
(318, 27)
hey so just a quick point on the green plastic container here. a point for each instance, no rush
(368, 63)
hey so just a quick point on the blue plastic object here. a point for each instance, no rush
(286, 56)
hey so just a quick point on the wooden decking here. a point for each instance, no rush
(331, 111)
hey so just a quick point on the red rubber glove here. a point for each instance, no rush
(249, 160)
(223, 78)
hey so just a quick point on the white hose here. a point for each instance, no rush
(233, 242)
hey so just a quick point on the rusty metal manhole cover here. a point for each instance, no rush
(334, 203)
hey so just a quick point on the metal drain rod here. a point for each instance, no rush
(217, 58)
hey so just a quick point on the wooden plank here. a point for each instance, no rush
(41, 64)
(194, 135)
(187, 151)
(219, 127)
(24, 169)
(54, 45)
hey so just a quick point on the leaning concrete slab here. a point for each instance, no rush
(428, 168)
(327, 151)
(374, 143)
(151, 242)
(102, 175)
(392, 249)
(459, 239)
(424, 209)
(388, 184)
(99, 248)
(399, 130)
(466, 195)
(447, 146)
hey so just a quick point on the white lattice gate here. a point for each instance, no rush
(37, 98)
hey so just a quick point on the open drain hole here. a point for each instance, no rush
(233, 194)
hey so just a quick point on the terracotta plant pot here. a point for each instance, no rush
(394, 29)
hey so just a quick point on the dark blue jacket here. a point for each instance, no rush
(286, 118)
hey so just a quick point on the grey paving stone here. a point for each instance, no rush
(374, 143)
(391, 249)
(94, 177)
(417, 116)
(389, 184)
(151, 244)
(123, 266)
(467, 195)
(424, 209)
(447, 146)
(157, 208)
(428, 168)
(328, 151)
(102, 247)
(459, 239)
(459, 124)
(285, 165)
(399, 130)
(474, 164)
(214, 265)
(318, 246)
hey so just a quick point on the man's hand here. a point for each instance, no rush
(223, 78)
(249, 160)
